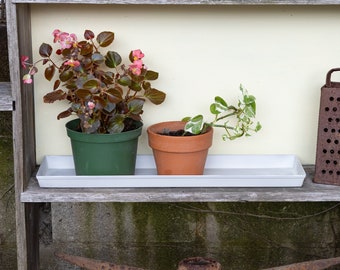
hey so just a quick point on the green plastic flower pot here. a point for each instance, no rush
(103, 154)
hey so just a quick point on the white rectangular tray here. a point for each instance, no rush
(221, 171)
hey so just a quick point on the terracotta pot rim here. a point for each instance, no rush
(171, 143)
(158, 127)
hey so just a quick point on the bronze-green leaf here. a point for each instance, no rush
(136, 105)
(155, 96)
(117, 91)
(135, 86)
(97, 58)
(83, 94)
(151, 75)
(85, 48)
(100, 102)
(112, 59)
(146, 85)
(105, 38)
(64, 114)
(66, 53)
(66, 75)
(124, 81)
(116, 124)
(45, 50)
(93, 127)
(56, 84)
(114, 95)
(86, 62)
(54, 95)
(49, 72)
(88, 34)
(109, 107)
(91, 84)
(131, 57)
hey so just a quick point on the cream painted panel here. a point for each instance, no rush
(280, 54)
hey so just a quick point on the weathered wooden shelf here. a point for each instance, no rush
(29, 195)
(6, 101)
(309, 192)
(185, 2)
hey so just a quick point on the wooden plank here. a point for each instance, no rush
(309, 192)
(12, 36)
(187, 2)
(19, 40)
(6, 101)
(32, 235)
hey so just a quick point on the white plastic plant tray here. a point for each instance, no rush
(220, 171)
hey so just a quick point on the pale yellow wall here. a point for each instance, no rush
(280, 54)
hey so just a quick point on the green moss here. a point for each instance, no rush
(6, 153)
(243, 236)
(89, 211)
(7, 198)
(249, 235)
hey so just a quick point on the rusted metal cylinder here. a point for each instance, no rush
(199, 263)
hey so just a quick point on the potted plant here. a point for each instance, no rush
(106, 96)
(181, 147)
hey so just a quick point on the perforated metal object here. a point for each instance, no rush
(327, 164)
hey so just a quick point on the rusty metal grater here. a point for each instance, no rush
(327, 167)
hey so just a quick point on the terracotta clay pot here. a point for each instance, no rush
(178, 155)
(199, 263)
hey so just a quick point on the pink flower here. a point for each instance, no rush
(33, 70)
(91, 105)
(137, 55)
(56, 34)
(136, 67)
(72, 63)
(65, 39)
(24, 60)
(27, 79)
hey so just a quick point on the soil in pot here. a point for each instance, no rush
(178, 155)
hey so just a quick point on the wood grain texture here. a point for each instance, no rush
(6, 103)
(309, 192)
(26, 185)
(19, 40)
(187, 2)
(13, 52)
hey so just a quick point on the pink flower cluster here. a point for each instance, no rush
(91, 105)
(27, 77)
(66, 40)
(137, 64)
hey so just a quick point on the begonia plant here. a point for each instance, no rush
(104, 93)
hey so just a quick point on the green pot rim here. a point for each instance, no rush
(102, 138)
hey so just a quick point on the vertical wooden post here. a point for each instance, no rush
(19, 43)
(32, 235)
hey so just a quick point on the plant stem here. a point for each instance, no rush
(227, 115)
